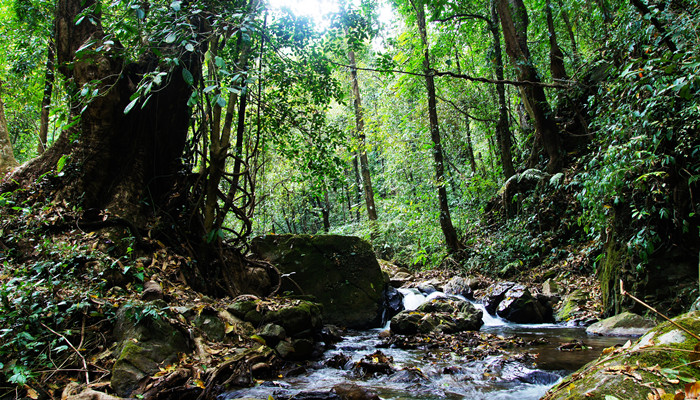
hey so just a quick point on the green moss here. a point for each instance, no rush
(609, 275)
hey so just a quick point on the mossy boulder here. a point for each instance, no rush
(145, 342)
(342, 272)
(571, 306)
(625, 324)
(438, 315)
(518, 305)
(655, 361)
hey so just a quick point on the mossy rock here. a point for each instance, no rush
(144, 342)
(625, 324)
(571, 305)
(630, 373)
(342, 272)
(297, 318)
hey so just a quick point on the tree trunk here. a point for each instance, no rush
(502, 126)
(448, 230)
(7, 157)
(360, 129)
(470, 147)
(46, 99)
(570, 31)
(556, 56)
(514, 23)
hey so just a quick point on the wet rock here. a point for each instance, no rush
(152, 291)
(375, 363)
(633, 372)
(285, 349)
(519, 306)
(331, 334)
(460, 286)
(303, 348)
(393, 301)
(406, 322)
(338, 361)
(426, 288)
(340, 271)
(316, 395)
(494, 295)
(351, 391)
(539, 378)
(625, 324)
(408, 375)
(143, 343)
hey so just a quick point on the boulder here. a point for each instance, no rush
(340, 271)
(518, 305)
(209, 323)
(494, 295)
(625, 324)
(460, 286)
(438, 315)
(144, 343)
(571, 305)
(639, 371)
(351, 391)
(393, 301)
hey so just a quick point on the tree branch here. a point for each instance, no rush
(461, 76)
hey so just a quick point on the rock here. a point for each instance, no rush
(211, 325)
(571, 305)
(400, 278)
(438, 315)
(625, 324)
(539, 378)
(393, 301)
(426, 288)
(284, 349)
(494, 295)
(261, 370)
(298, 318)
(375, 363)
(272, 333)
(338, 361)
(340, 271)
(351, 391)
(460, 286)
(152, 291)
(331, 334)
(550, 288)
(620, 372)
(519, 306)
(143, 344)
(303, 348)
(406, 323)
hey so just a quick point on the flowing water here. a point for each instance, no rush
(525, 373)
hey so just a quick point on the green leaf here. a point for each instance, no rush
(61, 163)
(175, 5)
(171, 37)
(189, 47)
(187, 76)
(219, 62)
(221, 101)
(130, 105)
(210, 88)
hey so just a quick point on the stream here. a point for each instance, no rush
(523, 373)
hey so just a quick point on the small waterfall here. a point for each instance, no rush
(413, 298)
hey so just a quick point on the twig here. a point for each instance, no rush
(85, 367)
(628, 294)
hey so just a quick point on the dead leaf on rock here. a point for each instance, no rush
(692, 390)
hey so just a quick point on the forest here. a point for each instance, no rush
(146, 145)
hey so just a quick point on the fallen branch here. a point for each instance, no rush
(631, 296)
(85, 367)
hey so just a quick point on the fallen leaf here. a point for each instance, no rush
(692, 390)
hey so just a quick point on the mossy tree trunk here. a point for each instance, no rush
(7, 157)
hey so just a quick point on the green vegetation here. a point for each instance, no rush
(512, 138)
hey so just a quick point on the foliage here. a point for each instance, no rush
(642, 181)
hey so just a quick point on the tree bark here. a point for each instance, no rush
(7, 157)
(362, 149)
(448, 230)
(470, 147)
(502, 126)
(556, 56)
(46, 99)
(570, 31)
(514, 23)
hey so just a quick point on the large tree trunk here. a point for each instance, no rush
(556, 56)
(46, 99)
(448, 230)
(123, 164)
(7, 157)
(362, 150)
(514, 22)
(502, 126)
